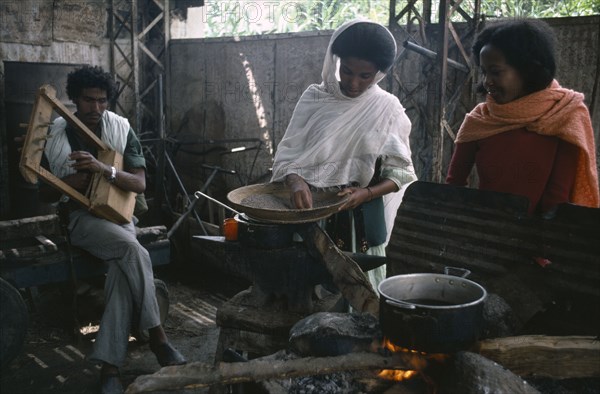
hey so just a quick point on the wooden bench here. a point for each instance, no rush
(34, 252)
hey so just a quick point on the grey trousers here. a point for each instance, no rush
(129, 293)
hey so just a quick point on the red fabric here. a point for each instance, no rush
(538, 167)
(553, 112)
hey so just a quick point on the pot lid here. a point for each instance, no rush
(270, 202)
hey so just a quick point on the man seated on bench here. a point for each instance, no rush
(129, 288)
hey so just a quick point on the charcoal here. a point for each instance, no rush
(499, 320)
(332, 334)
(334, 383)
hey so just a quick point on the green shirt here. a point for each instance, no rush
(133, 156)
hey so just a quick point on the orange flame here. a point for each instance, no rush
(415, 359)
(396, 375)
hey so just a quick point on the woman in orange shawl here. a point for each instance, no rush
(531, 137)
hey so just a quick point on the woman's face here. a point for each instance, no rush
(356, 75)
(501, 80)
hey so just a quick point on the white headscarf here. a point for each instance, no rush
(335, 140)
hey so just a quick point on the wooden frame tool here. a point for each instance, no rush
(103, 199)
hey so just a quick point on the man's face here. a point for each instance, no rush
(91, 104)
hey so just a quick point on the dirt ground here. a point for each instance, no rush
(53, 359)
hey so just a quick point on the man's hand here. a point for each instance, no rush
(85, 161)
(78, 181)
(300, 195)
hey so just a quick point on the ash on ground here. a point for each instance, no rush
(334, 383)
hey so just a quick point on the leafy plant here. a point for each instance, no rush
(241, 18)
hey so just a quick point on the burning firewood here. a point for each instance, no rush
(198, 375)
(558, 357)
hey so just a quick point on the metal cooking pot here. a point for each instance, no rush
(260, 235)
(433, 313)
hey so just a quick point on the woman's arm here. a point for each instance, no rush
(361, 195)
(461, 163)
(562, 177)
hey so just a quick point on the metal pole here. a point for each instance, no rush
(160, 147)
(136, 67)
(443, 67)
(432, 55)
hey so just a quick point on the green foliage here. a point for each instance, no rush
(245, 17)
(237, 18)
(540, 8)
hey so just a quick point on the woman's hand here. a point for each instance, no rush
(300, 195)
(356, 196)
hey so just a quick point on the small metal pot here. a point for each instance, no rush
(262, 235)
(433, 313)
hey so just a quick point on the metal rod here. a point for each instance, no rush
(183, 217)
(198, 192)
(432, 55)
(182, 188)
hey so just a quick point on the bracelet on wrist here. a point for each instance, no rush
(113, 175)
(370, 193)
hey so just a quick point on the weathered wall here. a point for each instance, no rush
(45, 32)
(252, 83)
(219, 73)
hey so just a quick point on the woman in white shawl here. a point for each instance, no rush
(340, 129)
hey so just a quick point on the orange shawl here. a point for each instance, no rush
(554, 111)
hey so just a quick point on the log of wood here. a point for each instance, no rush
(28, 227)
(545, 356)
(198, 375)
(347, 274)
(557, 357)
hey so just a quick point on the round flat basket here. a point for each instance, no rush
(270, 202)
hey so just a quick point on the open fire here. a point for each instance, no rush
(417, 360)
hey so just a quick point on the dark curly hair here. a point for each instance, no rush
(366, 41)
(90, 77)
(528, 46)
